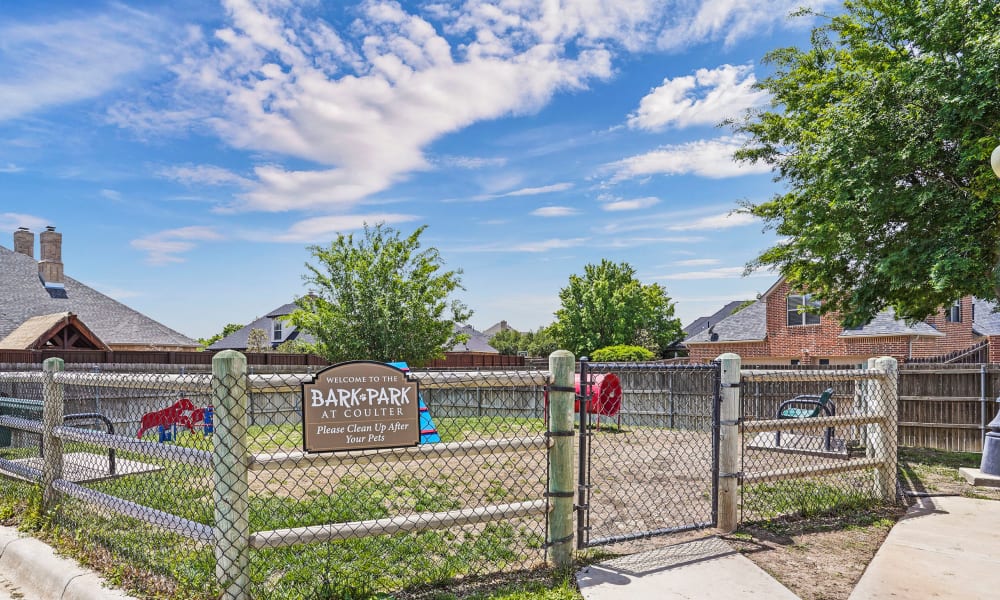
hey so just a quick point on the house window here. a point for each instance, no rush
(954, 313)
(277, 330)
(802, 310)
(824, 361)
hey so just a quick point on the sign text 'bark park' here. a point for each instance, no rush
(360, 405)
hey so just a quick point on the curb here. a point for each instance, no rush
(34, 566)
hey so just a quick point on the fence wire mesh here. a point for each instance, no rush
(650, 450)
(332, 525)
(816, 441)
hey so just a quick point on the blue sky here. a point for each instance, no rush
(189, 154)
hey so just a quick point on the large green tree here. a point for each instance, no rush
(881, 131)
(381, 297)
(608, 306)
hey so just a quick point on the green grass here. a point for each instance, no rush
(159, 564)
(803, 497)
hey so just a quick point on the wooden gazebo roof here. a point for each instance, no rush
(58, 330)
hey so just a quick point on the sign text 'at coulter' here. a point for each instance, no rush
(358, 396)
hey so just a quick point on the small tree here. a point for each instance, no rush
(381, 298)
(541, 342)
(608, 306)
(507, 342)
(257, 341)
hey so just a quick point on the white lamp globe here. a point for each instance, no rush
(995, 160)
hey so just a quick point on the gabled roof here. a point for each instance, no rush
(702, 323)
(747, 325)
(885, 324)
(36, 333)
(23, 296)
(985, 320)
(496, 328)
(478, 342)
(238, 339)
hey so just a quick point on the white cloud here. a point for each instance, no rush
(319, 229)
(705, 158)
(632, 241)
(706, 98)
(55, 63)
(715, 222)
(727, 20)
(10, 168)
(634, 204)
(163, 247)
(113, 195)
(531, 247)
(545, 189)
(284, 82)
(555, 211)
(718, 273)
(11, 221)
(470, 162)
(697, 262)
(203, 175)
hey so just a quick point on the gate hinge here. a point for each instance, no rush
(738, 421)
(581, 507)
(729, 385)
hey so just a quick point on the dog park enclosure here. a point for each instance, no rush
(483, 500)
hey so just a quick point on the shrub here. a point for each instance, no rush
(621, 353)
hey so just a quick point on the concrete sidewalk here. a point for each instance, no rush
(945, 547)
(706, 569)
(31, 570)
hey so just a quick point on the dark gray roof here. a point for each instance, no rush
(285, 309)
(23, 296)
(238, 339)
(985, 321)
(478, 341)
(748, 325)
(886, 324)
(702, 323)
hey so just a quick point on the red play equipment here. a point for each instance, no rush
(183, 413)
(605, 396)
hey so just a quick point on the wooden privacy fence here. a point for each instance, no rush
(947, 407)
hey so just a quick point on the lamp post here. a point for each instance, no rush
(990, 464)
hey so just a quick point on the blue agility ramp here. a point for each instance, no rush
(428, 431)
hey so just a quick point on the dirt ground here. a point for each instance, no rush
(823, 558)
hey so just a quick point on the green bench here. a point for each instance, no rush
(807, 406)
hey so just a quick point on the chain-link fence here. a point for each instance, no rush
(197, 485)
(649, 448)
(817, 440)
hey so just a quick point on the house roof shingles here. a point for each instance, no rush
(885, 324)
(23, 296)
(702, 323)
(747, 325)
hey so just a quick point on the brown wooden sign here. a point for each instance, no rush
(360, 405)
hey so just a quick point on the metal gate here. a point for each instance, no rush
(648, 450)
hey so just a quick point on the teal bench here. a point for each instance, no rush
(807, 406)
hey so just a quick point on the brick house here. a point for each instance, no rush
(774, 330)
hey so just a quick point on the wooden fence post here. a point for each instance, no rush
(730, 447)
(52, 417)
(882, 440)
(562, 364)
(230, 488)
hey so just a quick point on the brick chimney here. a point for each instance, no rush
(24, 242)
(50, 267)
